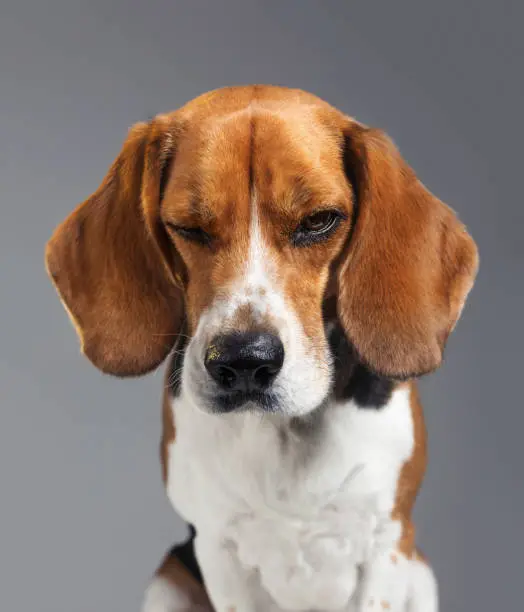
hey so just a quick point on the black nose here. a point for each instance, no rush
(246, 362)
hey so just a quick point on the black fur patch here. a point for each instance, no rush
(185, 553)
(353, 380)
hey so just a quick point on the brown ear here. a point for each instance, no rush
(111, 265)
(409, 265)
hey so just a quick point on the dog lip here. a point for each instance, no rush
(241, 400)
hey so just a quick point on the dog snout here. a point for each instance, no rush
(245, 362)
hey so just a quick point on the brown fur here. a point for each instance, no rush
(119, 268)
(401, 263)
(108, 268)
(413, 255)
(411, 477)
(174, 572)
(168, 431)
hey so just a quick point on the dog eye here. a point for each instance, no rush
(320, 222)
(316, 227)
(193, 234)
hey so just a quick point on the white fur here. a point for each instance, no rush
(292, 509)
(423, 596)
(286, 525)
(304, 380)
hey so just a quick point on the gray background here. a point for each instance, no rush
(84, 520)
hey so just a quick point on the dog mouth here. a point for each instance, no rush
(246, 401)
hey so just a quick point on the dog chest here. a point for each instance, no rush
(302, 506)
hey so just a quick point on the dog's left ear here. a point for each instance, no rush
(409, 266)
(111, 261)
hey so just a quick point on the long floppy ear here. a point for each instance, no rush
(409, 266)
(111, 263)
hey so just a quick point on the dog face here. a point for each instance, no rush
(239, 218)
(258, 210)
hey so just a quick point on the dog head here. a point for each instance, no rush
(247, 220)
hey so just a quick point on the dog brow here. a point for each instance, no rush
(200, 209)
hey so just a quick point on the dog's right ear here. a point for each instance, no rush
(409, 266)
(112, 264)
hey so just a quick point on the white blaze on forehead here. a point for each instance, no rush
(258, 283)
(258, 261)
(260, 269)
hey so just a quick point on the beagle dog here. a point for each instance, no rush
(300, 278)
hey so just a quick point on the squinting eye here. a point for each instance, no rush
(316, 227)
(194, 234)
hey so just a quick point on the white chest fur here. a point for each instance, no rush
(304, 503)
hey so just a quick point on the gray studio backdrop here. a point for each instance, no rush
(83, 517)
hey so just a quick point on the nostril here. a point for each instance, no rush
(264, 375)
(227, 377)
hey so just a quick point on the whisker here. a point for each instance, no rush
(172, 335)
(174, 378)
